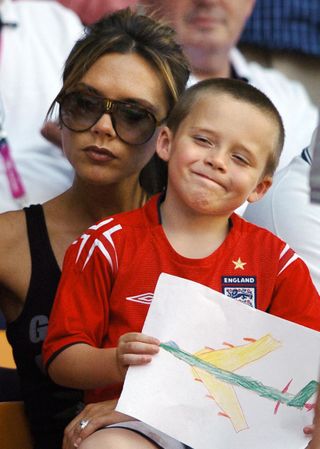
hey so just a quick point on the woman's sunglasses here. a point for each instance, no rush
(133, 124)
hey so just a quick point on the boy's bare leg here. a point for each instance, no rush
(117, 439)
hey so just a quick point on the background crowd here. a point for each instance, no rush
(272, 46)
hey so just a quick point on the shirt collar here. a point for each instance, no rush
(239, 65)
(306, 156)
(239, 68)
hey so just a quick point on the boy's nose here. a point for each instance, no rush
(216, 159)
(104, 126)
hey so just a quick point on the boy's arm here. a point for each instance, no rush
(79, 320)
(73, 350)
(295, 297)
(84, 367)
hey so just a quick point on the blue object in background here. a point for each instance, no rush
(291, 25)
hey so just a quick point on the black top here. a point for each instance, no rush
(49, 407)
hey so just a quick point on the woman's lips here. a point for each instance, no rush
(99, 154)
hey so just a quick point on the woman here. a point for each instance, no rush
(119, 83)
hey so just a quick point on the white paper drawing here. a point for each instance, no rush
(227, 376)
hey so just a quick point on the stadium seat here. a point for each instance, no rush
(14, 430)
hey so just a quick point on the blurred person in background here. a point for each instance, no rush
(209, 31)
(36, 37)
(90, 11)
(286, 210)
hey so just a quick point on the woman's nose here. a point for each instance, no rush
(104, 126)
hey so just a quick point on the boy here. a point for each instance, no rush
(222, 145)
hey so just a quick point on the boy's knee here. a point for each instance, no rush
(114, 438)
(88, 443)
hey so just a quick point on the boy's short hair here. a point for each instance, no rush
(239, 90)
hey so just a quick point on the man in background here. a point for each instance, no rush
(90, 11)
(209, 31)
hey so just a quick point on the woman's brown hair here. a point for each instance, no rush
(124, 32)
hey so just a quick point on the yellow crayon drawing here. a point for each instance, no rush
(231, 359)
(215, 369)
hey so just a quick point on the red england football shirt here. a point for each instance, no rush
(111, 271)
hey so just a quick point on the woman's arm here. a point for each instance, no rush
(15, 252)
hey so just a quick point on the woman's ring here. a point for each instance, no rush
(83, 423)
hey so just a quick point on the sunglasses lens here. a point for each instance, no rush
(79, 111)
(133, 124)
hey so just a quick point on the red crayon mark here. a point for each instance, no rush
(309, 406)
(223, 414)
(283, 391)
(225, 343)
(209, 396)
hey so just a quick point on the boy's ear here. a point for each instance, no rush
(164, 142)
(260, 190)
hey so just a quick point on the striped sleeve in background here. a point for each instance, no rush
(315, 169)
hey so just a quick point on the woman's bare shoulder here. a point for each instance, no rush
(12, 229)
(15, 263)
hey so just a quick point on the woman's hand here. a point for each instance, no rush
(135, 348)
(52, 132)
(97, 416)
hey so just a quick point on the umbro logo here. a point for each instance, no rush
(144, 298)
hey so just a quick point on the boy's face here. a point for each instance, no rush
(218, 155)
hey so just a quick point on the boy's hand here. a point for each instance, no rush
(135, 348)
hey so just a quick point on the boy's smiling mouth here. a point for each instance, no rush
(209, 178)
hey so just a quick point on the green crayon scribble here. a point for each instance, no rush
(298, 400)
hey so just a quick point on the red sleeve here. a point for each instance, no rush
(80, 313)
(295, 297)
